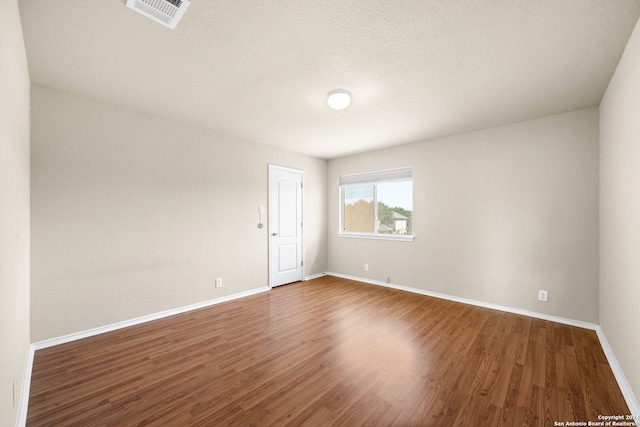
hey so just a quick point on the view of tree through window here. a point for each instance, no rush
(359, 215)
(379, 207)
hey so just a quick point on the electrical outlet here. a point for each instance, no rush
(366, 267)
(218, 282)
(543, 295)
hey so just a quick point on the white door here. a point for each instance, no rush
(285, 225)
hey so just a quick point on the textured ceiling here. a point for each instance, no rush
(260, 70)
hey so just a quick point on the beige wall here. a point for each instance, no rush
(14, 208)
(133, 214)
(498, 214)
(620, 211)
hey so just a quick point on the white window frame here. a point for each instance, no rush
(373, 177)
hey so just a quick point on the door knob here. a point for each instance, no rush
(274, 234)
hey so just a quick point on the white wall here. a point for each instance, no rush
(133, 214)
(498, 214)
(14, 208)
(620, 211)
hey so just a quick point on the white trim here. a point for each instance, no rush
(285, 168)
(542, 316)
(23, 406)
(404, 173)
(376, 236)
(314, 276)
(624, 385)
(132, 322)
(26, 386)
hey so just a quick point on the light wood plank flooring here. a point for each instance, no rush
(326, 352)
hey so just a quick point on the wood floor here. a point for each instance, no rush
(327, 352)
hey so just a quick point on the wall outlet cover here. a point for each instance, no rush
(543, 295)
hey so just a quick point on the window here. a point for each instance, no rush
(377, 204)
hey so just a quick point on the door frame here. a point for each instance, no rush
(272, 167)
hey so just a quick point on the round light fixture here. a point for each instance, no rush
(339, 99)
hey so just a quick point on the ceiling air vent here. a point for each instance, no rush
(166, 12)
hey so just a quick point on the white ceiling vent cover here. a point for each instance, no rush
(166, 12)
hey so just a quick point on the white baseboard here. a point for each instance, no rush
(314, 276)
(23, 405)
(26, 387)
(627, 392)
(542, 316)
(624, 385)
(115, 326)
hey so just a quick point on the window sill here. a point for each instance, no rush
(373, 236)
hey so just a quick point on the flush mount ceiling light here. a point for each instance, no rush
(339, 99)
